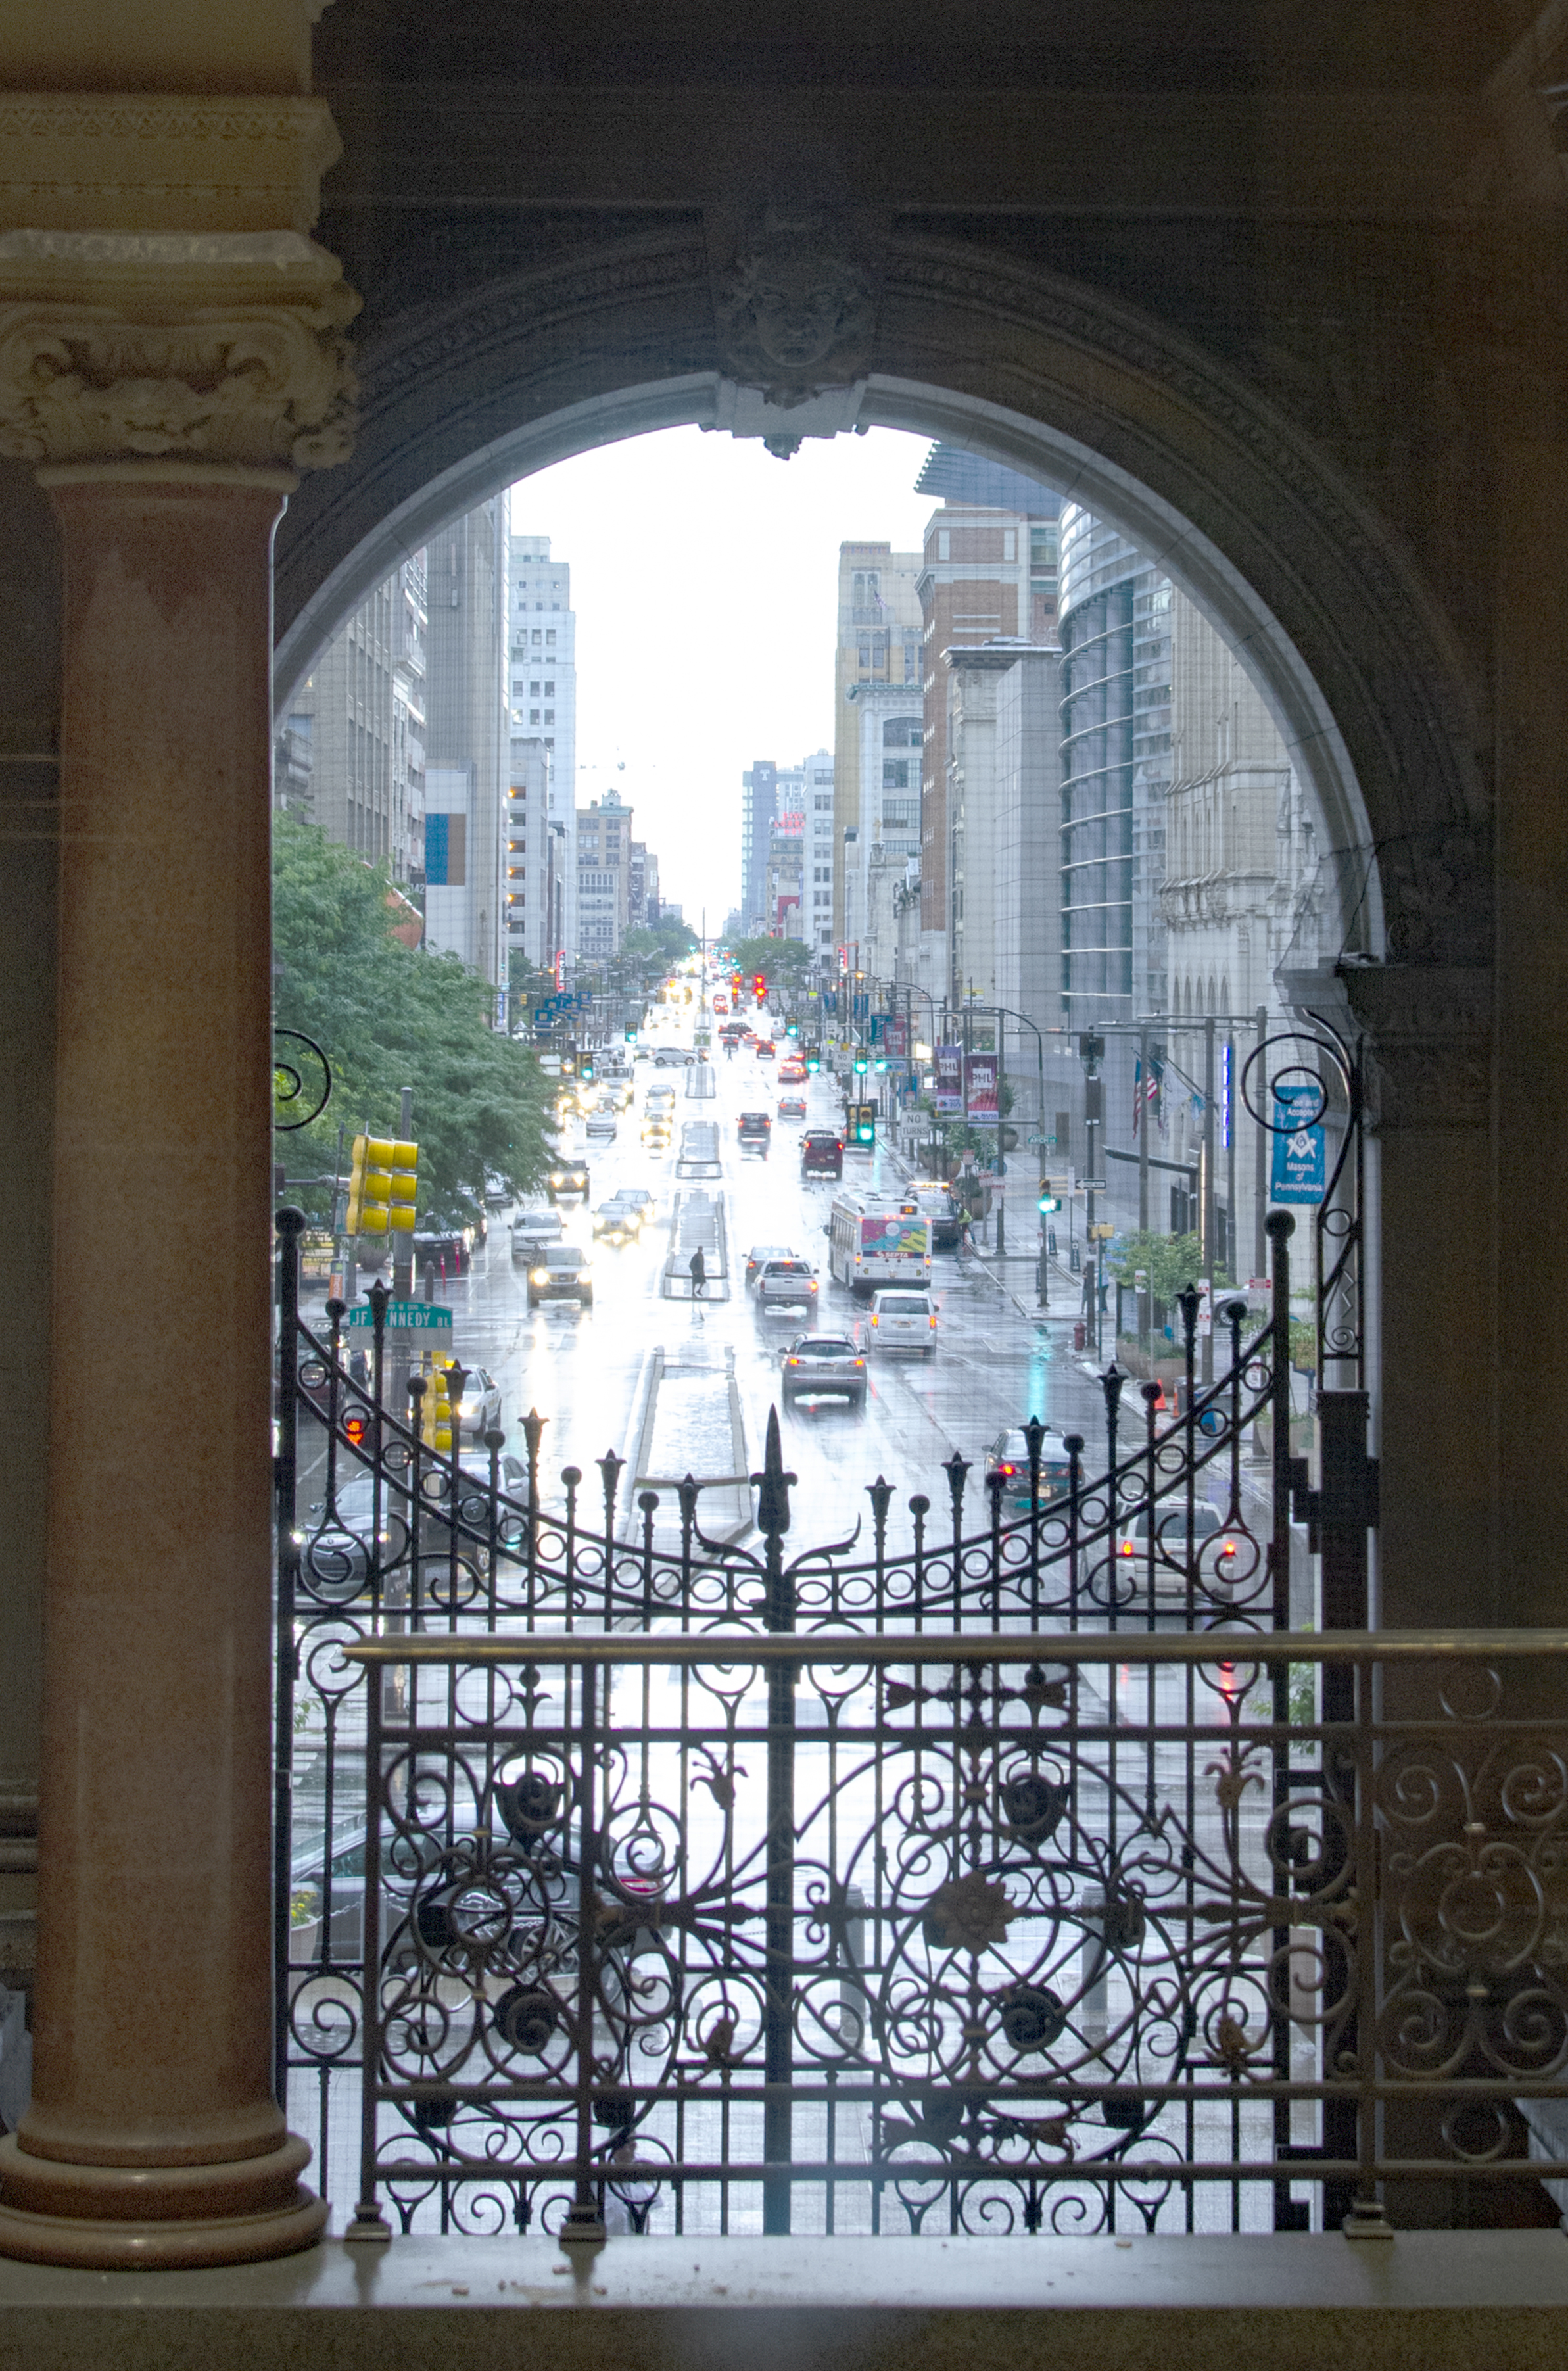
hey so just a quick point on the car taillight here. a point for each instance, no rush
(1125, 1548)
(792, 1362)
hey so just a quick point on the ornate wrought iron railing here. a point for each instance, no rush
(1063, 1934)
(386, 1543)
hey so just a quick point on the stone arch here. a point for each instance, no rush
(1128, 416)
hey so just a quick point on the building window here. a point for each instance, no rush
(533, 716)
(549, 692)
(549, 716)
(534, 689)
(550, 639)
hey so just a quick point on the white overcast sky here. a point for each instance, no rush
(704, 576)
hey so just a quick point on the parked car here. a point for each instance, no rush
(816, 1363)
(754, 1132)
(1008, 1456)
(443, 1243)
(759, 1255)
(561, 1273)
(786, 1284)
(791, 1106)
(822, 1153)
(601, 1127)
(904, 1320)
(568, 1176)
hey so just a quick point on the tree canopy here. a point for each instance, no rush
(783, 963)
(387, 1017)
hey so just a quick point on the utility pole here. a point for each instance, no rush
(1001, 1129)
(1206, 1195)
(1260, 1154)
(1142, 1117)
(1091, 1048)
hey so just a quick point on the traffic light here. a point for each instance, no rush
(1049, 1203)
(383, 1184)
(569, 1063)
(585, 1067)
(863, 1124)
(791, 1028)
(759, 986)
(881, 1064)
(631, 1034)
(859, 1066)
(813, 1064)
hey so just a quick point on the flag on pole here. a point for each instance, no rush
(1145, 1091)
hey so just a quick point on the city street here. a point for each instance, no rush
(583, 1369)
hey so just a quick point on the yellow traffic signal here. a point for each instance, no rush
(383, 1183)
(436, 1424)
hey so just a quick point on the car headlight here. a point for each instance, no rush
(538, 1275)
(555, 1178)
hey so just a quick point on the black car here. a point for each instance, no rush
(754, 1132)
(822, 1153)
(568, 1177)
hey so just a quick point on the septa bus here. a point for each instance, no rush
(877, 1238)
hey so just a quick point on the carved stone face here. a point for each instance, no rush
(798, 314)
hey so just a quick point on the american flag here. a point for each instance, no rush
(1145, 1091)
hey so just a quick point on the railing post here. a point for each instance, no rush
(773, 1486)
(370, 2224)
(285, 1482)
(585, 2218)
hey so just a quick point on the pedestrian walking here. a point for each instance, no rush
(698, 1273)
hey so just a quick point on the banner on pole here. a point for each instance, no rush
(980, 1078)
(1299, 1170)
(949, 1094)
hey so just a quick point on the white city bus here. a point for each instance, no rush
(877, 1238)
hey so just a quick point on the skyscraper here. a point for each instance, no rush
(468, 741)
(350, 752)
(878, 651)
(989, 574)
(542, 663)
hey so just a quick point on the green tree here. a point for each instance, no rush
(783, 963)
(1170, 1261)
(387, 1017)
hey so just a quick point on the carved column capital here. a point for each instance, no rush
(208, 348)
(1429, 1032)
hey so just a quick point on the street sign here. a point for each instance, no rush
(1036, 1139)
(1298, 1170)
(1095, 1186)
(405, 1317)
(1102, 1231)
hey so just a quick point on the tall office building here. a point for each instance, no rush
(988, 574)
(759, 805)
(1115, 628)
(468, 742)
(542, 669)
(534, 921)
(878, 651)
(351, 753)
(603, 878)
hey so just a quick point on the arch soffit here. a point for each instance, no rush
(1245, 513)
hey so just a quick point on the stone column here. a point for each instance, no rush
(1429, 1037)
(168, 394)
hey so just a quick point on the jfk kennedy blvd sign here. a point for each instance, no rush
(1300, 1168)
(405, 1317)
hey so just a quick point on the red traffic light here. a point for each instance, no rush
(356, 1430)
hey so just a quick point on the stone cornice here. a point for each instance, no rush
(143, 161)
(1429, 1031)
(134, 346)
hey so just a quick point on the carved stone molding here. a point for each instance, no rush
(1429, 1031)
(143, 161)
(796, 307)
(134, 347)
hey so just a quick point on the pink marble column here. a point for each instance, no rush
(154, 2137)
